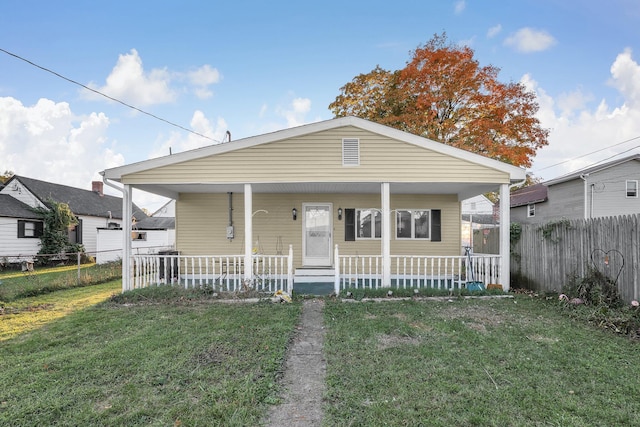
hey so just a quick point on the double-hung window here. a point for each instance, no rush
(30, 229)
(531, 211)
(413, 224)
(368, 223)
(632, 188)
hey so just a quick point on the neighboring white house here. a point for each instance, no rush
(477, 213)
(21, 227)
(152, 235)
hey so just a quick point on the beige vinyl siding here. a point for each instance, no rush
(202, 221)
(318, 157)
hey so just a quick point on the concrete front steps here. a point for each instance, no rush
(314, 281)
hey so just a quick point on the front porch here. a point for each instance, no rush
(270, 273)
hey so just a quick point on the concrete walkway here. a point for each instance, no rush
(304, 374)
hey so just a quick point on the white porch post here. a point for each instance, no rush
(127, 214)
(386, 235)
(248, 232)
(505, 233)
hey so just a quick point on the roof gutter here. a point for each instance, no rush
(110, 184)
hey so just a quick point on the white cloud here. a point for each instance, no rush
(296, 112)
(178, 142)
(530, 40)
(626, 77)
(129, 82)
(494, 31)
(47, 141)
(202, 78)
(582, 135)
(459, 6)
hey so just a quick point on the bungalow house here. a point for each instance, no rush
(607, 189)
(345, 201)
(21, 227)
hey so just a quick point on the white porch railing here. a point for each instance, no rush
(413, 271)
(270, 273)
(222, 273)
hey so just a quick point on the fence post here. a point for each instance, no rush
(78, 280)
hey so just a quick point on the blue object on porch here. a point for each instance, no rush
(473, 285)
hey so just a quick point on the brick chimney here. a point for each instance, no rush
(97, 187)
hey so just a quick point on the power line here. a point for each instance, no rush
(107, 96)
(593, 152)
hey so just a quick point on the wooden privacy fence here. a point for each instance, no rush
(547, 256)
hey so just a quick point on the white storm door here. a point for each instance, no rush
(316, 238)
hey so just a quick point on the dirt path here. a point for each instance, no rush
(304, 373)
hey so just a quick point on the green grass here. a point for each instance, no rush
(516, 362)
(17, 284)
(143, 360)
(167, 356)
(27, 314)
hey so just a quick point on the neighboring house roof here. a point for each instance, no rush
(528, 195)
(591, 169)
(167, 210)
(156, 223)
(81, 202)
(14, 208)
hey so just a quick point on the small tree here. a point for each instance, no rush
(55, 236)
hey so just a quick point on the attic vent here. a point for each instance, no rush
(350, 152)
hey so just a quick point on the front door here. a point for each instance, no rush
(316, 238)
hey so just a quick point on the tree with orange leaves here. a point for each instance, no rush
(444, 94)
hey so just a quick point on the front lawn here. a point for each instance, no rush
(167, 356)
(500, 362)
(147, 361)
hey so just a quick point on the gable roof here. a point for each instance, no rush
(11, 207)
(156, 223)
(81, 202)
(592, 169)
(528, 195)
(204, 169)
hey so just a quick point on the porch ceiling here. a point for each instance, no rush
(463, 190)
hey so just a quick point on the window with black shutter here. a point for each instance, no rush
(30, 229)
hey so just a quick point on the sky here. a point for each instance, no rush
(253, 67)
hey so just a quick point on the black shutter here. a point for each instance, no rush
(349, 225)
(20, 229)
(436, 226)
(79, 231)
(39, 229)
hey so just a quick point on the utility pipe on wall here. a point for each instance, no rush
(584, 177)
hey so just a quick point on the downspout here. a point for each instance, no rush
(584, 177)
(126, 231)
(230, 226)
(592, 186)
